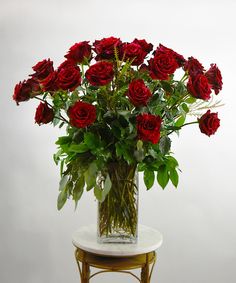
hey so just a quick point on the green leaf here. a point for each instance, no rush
(90, 176)
(91, 140)
(174, 177)
(98, 193)
(191, 100)
(61, 200)
(180, 121)
(63, 182)
(164, 144)
(63, 140)
(162, 176)
(149, 178)
(107, 186)
(185, 107)
(78, 189)
(78, 148)
(167, 86)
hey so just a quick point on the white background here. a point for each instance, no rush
(197, 220)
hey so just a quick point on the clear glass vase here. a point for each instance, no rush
(118, 213)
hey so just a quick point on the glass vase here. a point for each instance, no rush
(118, 213)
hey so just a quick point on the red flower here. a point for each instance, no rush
(199, 87)
(79, 51)
(179, 58)
(50, 83)
(164, 63)
(138, 93)
(148, 127)
(43, 69)
(193, 67)
(147, 47)
(133, 51)
(66, 64)
(22, 92)
(69, 78)
(44, 114)
(209, 123)
(214, 78)
(82, 114)
(105, 47)
(100, 73)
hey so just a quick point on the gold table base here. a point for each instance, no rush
(121, 264)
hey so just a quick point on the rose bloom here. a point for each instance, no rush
(105, 47)
(209, 123)
(164, 63)
(100, 73)
(22, 91)
(199, 87)
(82, 114)
(148, 127)
(42, 69)
(147, 47)
(50, 83)
(178, 58)
(214, 78)
(139, 93)
(193, 67)
(133, 51)
(79, 52)
(44, 114)
(66, 64)
(69, 78)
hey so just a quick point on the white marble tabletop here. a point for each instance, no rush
(149, 240)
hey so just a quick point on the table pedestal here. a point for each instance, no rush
(121, 264)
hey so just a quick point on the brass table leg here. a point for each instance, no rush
(145, 272)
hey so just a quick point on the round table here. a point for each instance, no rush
(116, 257)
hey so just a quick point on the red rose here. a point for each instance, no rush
(179, 58)
(164, 63)
(43, 114)
(22, 92)
(69, 78)
(66, 64)
(193, 67)
(199, 87)
(133, 51)
(100, 73)
(209, 123)
(214, 78)
(105, 47)
(148, 127)
(43, 69)
(50, 83)
(82, 114)
(79, 51)
(35, 86)
(138, 93)
(147, 47)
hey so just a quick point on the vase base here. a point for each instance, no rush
(117, 239)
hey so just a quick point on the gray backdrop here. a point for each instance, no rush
(197, 220)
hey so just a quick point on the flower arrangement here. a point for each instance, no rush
(120, 103)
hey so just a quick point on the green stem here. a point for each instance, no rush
(186, 124)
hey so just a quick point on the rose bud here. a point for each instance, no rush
(22, 92)
(199, 87)
(79, 52)
(209, 123)
(100, 73)
(105, 47)
(148, 127)
(214, 78)
(43, 69)
(139, 93)
(44, 114)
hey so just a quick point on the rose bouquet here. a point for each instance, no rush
(120, 103)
